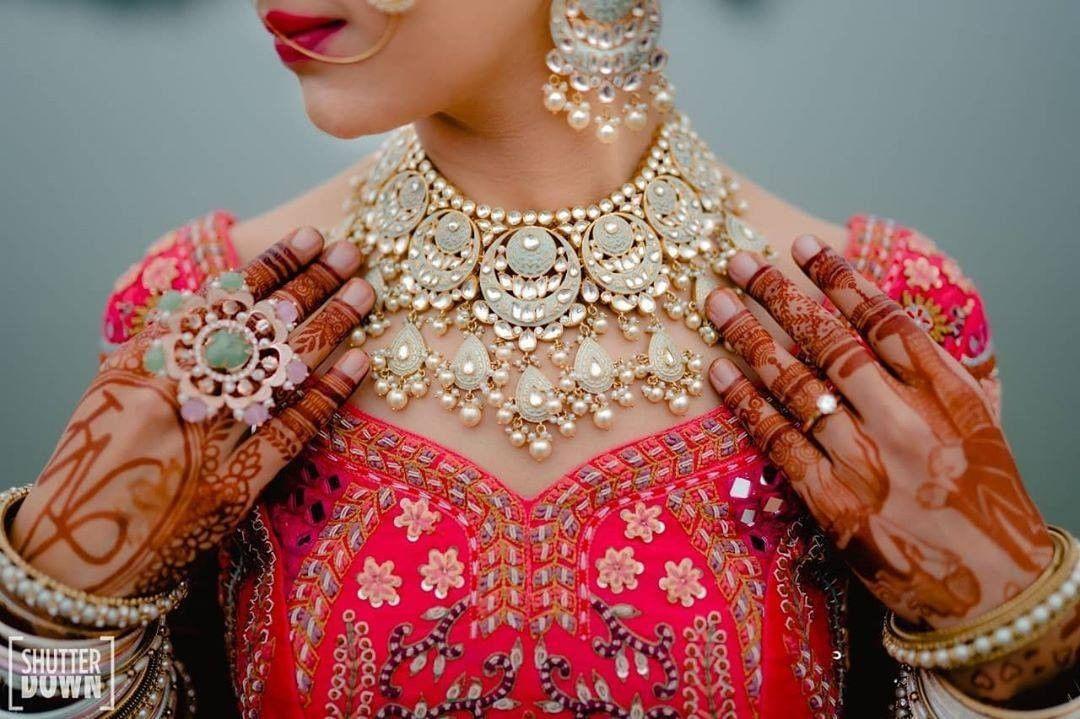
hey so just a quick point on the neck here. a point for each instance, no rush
(501, 147)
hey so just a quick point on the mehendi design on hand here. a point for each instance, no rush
(133, 492)
(912, 466)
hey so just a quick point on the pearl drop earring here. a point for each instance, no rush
(604, 48)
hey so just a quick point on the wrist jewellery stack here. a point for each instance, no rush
(1018, 622)
(40, 617)
(922, 692)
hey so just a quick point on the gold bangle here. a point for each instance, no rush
(1017, 622)
(53, 601)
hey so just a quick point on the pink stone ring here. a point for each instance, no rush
(226, 351)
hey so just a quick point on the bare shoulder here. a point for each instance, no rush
(319, 207)
(782, 222)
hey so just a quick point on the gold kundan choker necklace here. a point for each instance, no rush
(529, 291)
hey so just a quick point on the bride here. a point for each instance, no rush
(542, 411)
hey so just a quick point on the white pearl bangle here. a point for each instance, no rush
(25, 585)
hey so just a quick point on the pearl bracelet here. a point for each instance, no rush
(1018, 622)
(22, 583)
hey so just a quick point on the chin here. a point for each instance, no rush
(354, 113)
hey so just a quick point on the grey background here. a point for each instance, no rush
(120, 119)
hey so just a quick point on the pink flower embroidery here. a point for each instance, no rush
(416, 517)
(682, 583)
(618, 569)
(378, 583)
(921, 274)
(442, 572)
(642, 522)
(159, 273)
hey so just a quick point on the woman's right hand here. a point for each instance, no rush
(133, 492)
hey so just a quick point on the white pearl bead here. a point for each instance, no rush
(568, 428)
(636, 119)
(983, 645)
(960, 653)
(603, 418)
(555, 101)
(517, 438)
(1040, 614)
(941, 657)
(470, 414)
(540, 449)
(679, 405)
(397, 399)
(1003, 636)
(606, 132)
(925, 659)
(579, 117)
(1023, 626)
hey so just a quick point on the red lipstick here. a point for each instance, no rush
(310, 33)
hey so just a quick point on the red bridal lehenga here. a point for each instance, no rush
(386, 576)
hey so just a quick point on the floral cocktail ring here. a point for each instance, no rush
(225, 351)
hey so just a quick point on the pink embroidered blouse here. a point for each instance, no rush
(385, 576)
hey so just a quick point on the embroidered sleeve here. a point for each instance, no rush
(932, 288)
(181, 260)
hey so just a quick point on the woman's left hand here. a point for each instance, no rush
(889, 441)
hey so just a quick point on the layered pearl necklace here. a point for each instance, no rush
(529, 292)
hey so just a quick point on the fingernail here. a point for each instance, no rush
(306, 240)
(343, 258)
(721, 307)
(354, 363)
(357, 294)
(742, 267)
(804, 248)
(722, 373)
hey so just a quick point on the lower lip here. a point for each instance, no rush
(314, 40)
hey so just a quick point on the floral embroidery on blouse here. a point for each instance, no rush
(642, 522)
(618, 570)
(159, 274)
(921, 274)
(416, 517)
(442, 572)
(377, 583)
(683, 582)
(181, 260)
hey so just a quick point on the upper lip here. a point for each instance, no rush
(291, 25)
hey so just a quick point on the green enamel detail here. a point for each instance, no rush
(231, 281)
(227, 350)
(154, 360)
(171, 301)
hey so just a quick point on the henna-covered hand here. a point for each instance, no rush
(133, 493)
(911, 477)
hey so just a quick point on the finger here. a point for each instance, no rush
(828, 342)
(281, 440)
(886, 326)
(773, 433)
(281, 261)
(787, 379)
(329, 327)
(307, 291)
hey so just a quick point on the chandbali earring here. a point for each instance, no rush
(607, 50)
